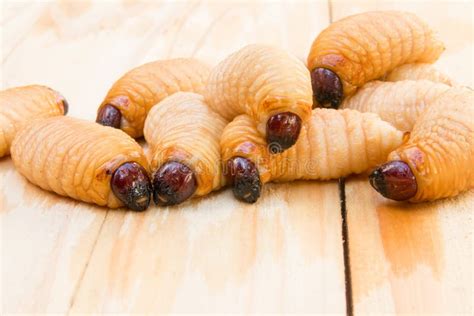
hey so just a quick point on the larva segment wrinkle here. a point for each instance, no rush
(419, 71)
(22, 104)
(262, 81)
(366, 46)
(400, 103)
(141, 88)
(332, 144)
(76, 158)
(183, 129)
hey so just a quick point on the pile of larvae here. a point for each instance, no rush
(368, 101)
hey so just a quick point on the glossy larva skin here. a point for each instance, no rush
(366, 46)
(260, 81)
(400, 103)
(141, 88)
(332, 144)
(440, 151)
(74, 158)
(420, 71)
(22, 104)
(182, 128)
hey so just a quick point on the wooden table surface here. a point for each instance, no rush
(296, 250)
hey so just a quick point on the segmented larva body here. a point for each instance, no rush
(366, 46)
(332, 144)
(419, 71)
(440, 151)
(399, 103)
(261, 81)
(141, 88)
(21, 104)
(182, 128)
(74, 158)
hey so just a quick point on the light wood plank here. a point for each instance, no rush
(213, 254)
(46, 242)
(414, 258)
(282, 254)
(409, 258)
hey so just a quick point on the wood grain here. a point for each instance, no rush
(409, 258)
(414, 258)
(282, 254)
(46, 241)
(212, 254)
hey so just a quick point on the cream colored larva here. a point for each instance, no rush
(333, 144)
(364, 47)
(437, 161)
(268, 84)
(420, 71)
(400, 103)
(128, 101)
(183, 134)
(85, 161)
(22, 104)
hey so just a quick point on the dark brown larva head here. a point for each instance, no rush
(65, 106)
(131, 185)
(283, 130)
(244, 177)
(327, 88)
(394, 180)
(109, 115)
(173, 183)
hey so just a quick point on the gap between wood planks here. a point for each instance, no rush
(345, 248)
(344, 226)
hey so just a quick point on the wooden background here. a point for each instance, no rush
(285, 253)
